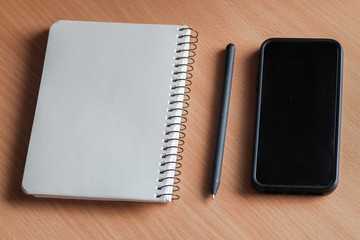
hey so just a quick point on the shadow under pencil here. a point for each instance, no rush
(247, 123)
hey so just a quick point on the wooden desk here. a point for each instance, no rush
(238, 210)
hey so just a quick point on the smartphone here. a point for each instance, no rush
(298, 116)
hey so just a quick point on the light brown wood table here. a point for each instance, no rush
(238, 211)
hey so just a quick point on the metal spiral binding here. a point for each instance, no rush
(174, 134)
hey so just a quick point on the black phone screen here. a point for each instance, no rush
(298, 113)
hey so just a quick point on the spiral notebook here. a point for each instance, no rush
(111, 109)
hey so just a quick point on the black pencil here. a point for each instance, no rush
(223, 116)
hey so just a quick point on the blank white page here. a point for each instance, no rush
(100, 117)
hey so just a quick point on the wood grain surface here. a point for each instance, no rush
(238, 211)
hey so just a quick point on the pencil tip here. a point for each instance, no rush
(213, 196)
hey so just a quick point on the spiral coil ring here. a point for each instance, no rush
(178, 164)
(178, 156)
(182, 126)
(175, 126)
(175, 187)
(180, 141)
(179, 132)
(183, 119)
(185, 96)
(175, 171)
(176, 180)
(173, 196)
(190, 60)
(190, 68)
(185, 104)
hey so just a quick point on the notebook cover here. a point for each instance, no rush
(100, 118)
